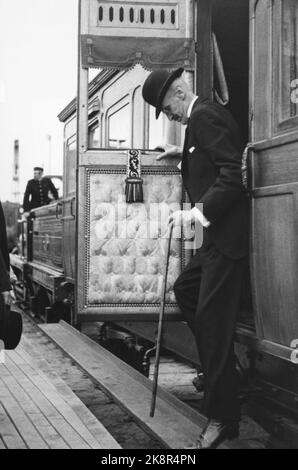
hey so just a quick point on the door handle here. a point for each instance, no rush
(71, 208)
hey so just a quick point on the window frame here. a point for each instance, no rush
(91, 124)
(71, 140)
(112, 110)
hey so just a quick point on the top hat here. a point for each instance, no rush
(157, 85)
(11, 326)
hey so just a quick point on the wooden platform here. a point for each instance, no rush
(175, 424)
(39, 411)
(176, 377)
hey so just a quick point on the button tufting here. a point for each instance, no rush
(131, 264)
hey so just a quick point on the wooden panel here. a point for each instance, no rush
(102, 24)
(275, 350)
(45, 276)
(274, 176)
(275, 263)
(47, 236)
(69, 237)
(275, 166)
(285, 108)
(261, 68)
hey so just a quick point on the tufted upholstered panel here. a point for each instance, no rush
(127, 241)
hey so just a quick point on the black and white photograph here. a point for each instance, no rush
(148, 232)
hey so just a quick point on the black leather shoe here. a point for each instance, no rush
(216, 432)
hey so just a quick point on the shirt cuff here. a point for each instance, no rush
(200, 217)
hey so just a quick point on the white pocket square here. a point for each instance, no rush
(191, 150)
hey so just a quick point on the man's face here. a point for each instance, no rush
(37, 174)
(174, 106)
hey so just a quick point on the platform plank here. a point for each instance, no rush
(10, 438)
(23, 424)
(46, 430)
(174, 424)
(39, 411)
(63, 416)
(2, 445)
(62, 407)
(99, 432)
(66, 431)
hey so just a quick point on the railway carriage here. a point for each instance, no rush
(92, 257)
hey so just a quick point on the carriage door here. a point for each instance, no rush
(274, 168)
(123, 194)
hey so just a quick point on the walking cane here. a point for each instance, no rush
(161, 320)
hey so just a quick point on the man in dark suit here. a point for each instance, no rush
(37, 191)
(10, 320)
(208, 290)
(5, 286)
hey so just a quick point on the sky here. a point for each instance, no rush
(38, 73)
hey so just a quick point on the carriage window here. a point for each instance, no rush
(289, 57)
(138, 121)
(94, 135)
(119, 127)
(156, 129)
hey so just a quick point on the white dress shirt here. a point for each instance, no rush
(189, 110)
(199, 216)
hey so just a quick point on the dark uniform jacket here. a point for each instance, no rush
(37, 193)
(4, 255)
(211, 173)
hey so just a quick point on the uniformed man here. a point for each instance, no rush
(38, 191)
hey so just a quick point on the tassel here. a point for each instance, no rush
(134, 190)
(134, 182)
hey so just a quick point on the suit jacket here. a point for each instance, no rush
(38, 190)
(4, 255)
(211, 173)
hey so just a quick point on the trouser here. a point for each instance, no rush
(208, 293)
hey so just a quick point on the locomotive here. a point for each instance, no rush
(241, 53)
